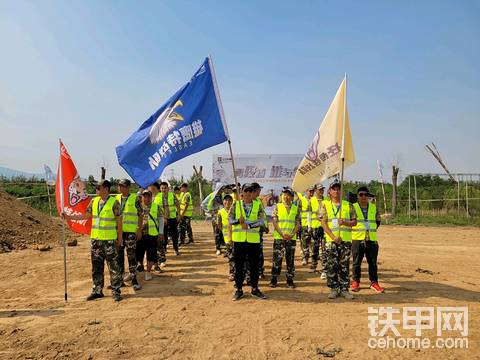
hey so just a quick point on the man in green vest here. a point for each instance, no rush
(171, 209)
(162, 242)
(338, 218)
(364, 240)
(106, 235)
(246, 218)
(226, 229)
(286, 220)
(306, 229)
(318, 243)
(186, 211)
(131, 210)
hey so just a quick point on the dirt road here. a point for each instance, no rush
(187, 313)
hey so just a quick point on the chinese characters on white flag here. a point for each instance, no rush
(323, 157)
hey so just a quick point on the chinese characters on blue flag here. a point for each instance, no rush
(190, 121)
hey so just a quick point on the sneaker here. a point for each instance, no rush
(258, 294)
(333, 294)
(355, 287)
(291, 284)
(157, 268)
(148, 276)
(231, 277)
(346, 295)
(273, 282)
(162, 265)
(128, 277)
(94, 296)
(304, 262)
(136, 286)
(323, 276)
(375, 286)
(238, 295)
(140, 268)
(218, 252)
(116, 297)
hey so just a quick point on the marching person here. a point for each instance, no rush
(226, 229)
(306, 229)
(162, 242)
(211, 205)
(151, 228)
(338, 217)
(105, 235)
(246, 218)
(364, 240)
(131, 210)
(171, 208)
(286, 221)
(318, 243)
(186, 211)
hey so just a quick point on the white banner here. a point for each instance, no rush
(272, 172)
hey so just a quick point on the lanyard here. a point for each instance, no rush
(246, 210)
(365, 213)
(99, 210)
(123, 203)
(336, 212)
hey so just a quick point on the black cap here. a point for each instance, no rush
(125, 182)
(334, 183)
(247, 187)
(105, 183)
(288, 190)
(256, 186)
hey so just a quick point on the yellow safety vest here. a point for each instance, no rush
(316, 204)
(104, 226)
(188, 205)
(286, 221)
(305, 214)
(359, 231)
(129, 213)
(345, 231)
(246, 235)
(224, 214)
(172, 209)
(153, 225)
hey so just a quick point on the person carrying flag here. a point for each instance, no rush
(106, 235)
(131, 211)
(338, 218)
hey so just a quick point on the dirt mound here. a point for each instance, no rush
(23, 227)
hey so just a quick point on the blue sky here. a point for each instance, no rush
(91, 72)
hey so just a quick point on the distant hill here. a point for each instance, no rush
(9, 173)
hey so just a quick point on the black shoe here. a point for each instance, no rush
(94, 296)
(140, 268)
(291, 284)
(258, 294)
(123, 285)
(116, 297)
(273, 282)
(157, 268)
(238, 295)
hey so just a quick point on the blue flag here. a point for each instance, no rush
(187, 123)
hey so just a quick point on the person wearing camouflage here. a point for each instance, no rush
(106, 235)
(286, 220)
(338, 218)
(226, 229)
(305, 203)
(318, 243)
(131, 210)
(186, 211)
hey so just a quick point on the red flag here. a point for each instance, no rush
(71, 193)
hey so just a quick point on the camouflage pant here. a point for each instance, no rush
(318, 248)
(338, 265)
(130, 243)
(305, 240)
(101, 251)
(161, 257)
(230, 257)
(281, 249)
(219, 241)
(185, 228)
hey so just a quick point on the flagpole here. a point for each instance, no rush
(63, 221)
(343, 148)
(222, 116)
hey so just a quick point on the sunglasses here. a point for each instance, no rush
(362, 194)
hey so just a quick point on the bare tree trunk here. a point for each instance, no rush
(104, 171)
(394, 191)
(199, 177)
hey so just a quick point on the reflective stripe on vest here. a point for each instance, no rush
(359, 231)
(345, 231)
(224, 214)
(153, 225)
(246, 235)
(172, 209)
(286, 221)
(316, 203)
(104, 226)
(305, 214)
(188, 205)
(129, 213)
